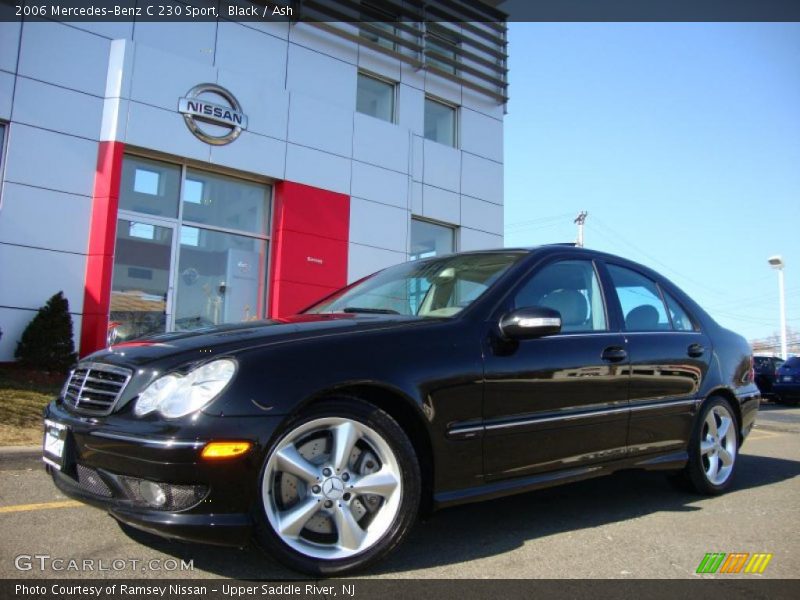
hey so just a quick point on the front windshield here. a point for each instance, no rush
(436, 287)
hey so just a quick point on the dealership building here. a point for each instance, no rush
(168, 176)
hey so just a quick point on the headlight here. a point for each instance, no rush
(175, 395)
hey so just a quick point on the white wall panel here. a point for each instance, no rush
(380, 143)
(379, 64)
(266, 105)
(442, 166)
(44, 218)
(247, 50)
(322, 77)
(320, 125)
(9, 43)
(326, 43)
(441, 205)
(417, 157)
(442, 88)
(482, 104)
(379, 185)
(482, 178)
(162, 130)
(65, 272)
(416, 198)
(52, 160)
(471, 239)
(193, 40)
(378, 225)
(411, 109)
(485, 216)
(481, 135)
(34, 104)
(254, 153)
(365, 260)
(64, 56)
(161, 78)
(317, 168)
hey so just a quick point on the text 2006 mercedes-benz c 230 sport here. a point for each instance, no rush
(431, 383)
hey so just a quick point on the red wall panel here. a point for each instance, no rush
(309, 246)
(100, 259)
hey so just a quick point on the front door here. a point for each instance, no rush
(557, 402)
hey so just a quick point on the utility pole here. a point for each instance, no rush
(580, 220)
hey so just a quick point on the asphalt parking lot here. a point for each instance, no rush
(630, 525)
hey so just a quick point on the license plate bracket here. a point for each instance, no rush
(54, 444)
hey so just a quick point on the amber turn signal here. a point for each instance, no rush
(215, 450)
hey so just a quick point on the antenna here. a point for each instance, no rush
(580, 220)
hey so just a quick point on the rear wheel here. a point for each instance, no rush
(713, 448)
(339, 490)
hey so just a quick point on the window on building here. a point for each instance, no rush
(431, 239)
(440, 122)
(441, 48)
(375, 97)
(191, 263)
(379, 19)
(642, 306)
(428, 239)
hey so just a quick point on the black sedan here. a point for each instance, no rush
(429, 384)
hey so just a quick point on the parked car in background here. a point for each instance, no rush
(429, 384)
(765, 367)
(787, 382)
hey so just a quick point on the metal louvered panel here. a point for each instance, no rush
(94, 388)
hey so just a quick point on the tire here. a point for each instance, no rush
(315, 512)
(712, 456)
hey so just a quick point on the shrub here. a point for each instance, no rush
(47, 341)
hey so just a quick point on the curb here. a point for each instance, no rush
(19, 451)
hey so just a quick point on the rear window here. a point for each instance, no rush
(792, 363)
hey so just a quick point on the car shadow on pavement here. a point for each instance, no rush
(502, 525)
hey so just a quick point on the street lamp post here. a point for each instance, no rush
(776, 262)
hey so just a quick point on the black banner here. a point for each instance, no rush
(389, 589)
(407, 10)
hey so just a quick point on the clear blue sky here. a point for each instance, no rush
(682, 140)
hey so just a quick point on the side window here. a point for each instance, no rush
(570, 287)
(680, 318)
(642, 306)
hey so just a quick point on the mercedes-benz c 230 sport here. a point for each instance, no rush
(322, 436)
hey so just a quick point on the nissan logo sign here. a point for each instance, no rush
(197, 108)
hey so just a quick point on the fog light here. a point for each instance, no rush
(152, 493)
(216, 450)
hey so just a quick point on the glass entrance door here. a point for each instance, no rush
(141, 287)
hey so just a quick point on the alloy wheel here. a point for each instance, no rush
(332, 488)
(718, 445)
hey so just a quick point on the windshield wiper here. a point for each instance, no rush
(370, 311)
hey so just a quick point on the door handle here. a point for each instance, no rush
(614, 354)
(695, 350)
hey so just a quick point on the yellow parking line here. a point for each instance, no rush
(40, 506)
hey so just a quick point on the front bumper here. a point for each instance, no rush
(117, 447)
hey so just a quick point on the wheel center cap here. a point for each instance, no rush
(333, 488)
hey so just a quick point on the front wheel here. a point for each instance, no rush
(339, 490)
(713, 448)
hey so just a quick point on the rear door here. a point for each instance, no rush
(669, 357)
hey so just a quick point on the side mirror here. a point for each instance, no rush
(529, 323)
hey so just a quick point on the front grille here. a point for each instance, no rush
(94, 388)
(91, 482)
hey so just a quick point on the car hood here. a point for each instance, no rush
(227, 339)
